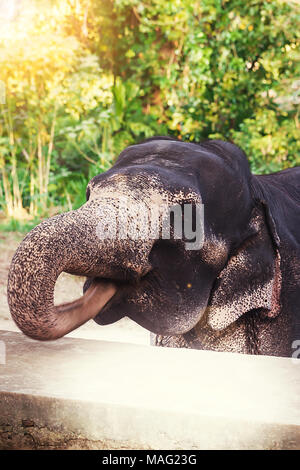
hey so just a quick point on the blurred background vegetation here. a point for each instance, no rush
(82, 79)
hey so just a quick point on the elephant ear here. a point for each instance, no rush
(252, 278)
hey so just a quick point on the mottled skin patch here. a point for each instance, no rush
(226, 307)
(250, 334)
(239, 292)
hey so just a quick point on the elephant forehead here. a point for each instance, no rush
(130, 210)
(137, 206)
(146, 187)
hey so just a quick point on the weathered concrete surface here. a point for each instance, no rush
(86, 394)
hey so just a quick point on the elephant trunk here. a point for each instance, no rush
(67, 242)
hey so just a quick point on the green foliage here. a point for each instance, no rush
(16, 225)
(209, 68)
(86, 78)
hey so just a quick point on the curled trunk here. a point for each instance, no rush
(67, 242)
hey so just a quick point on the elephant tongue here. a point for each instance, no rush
(86, 307)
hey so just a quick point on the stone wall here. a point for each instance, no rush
(85, 394)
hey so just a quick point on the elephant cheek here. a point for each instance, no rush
(173, 319)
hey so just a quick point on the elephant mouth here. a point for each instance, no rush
(168, 296)
(156, 302)
(114, 308)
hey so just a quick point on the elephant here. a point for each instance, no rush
(237, 292)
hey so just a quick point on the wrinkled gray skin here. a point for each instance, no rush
(248, 335)
(227, 296)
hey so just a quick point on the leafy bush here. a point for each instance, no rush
(86, 78)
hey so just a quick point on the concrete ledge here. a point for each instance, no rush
(85, 394)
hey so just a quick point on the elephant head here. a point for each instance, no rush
(155, 281)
